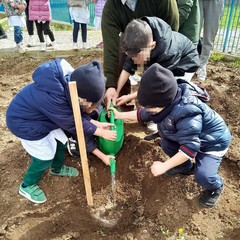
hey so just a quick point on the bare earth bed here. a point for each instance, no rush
(148, 208)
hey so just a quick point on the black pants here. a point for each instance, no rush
(29, 24)
(44, 28)
(2, 32)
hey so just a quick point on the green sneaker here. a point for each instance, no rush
(66, 172)
(33, 193)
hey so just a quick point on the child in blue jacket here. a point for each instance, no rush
(189, 129)
(41, 113)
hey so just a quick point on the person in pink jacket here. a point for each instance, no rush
(99, 5)
(40, 12)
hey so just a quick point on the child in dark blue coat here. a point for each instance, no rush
(189, 129)
(41, 113)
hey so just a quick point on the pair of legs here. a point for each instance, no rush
(76, 27)
(44, 28)
(29, 188)
(210, 13)
(18, 35)
(206, 168)
(29, 23)
(205, 172)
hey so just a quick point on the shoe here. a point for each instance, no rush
(43, 47)
(31, 41)
(209, 198)
(33, 193)
(65, 172)
(4, 36)
(75, 46)
(85, 45)
(72, 147)
(152, 127)
(180, 170)
(151, 136)
(48, 41)
(54, 45)
(202, 73)
(21, 48)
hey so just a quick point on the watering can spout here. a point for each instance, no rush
(113, 166)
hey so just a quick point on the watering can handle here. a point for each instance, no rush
(112, 117)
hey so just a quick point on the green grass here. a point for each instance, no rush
(236, 63)
(61, 26)
(216, 56)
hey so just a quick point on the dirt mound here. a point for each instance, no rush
(146, 207)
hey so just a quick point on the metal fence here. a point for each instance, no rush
(227, 38)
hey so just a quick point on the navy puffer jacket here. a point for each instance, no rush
(191, 123)
(45, 105)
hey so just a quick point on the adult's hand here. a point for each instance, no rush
(110, 95)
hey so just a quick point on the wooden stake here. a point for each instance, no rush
(81, 141)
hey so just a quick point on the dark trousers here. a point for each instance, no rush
(38, 166)
(29, 24)
(2, 32)
(206, 171)
(44, 28)
(76, 27)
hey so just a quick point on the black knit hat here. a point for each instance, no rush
(90, 81)
(158, 87)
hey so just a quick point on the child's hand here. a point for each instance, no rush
(158, 168)
(109, 134)
(116, 113)
(21, 8)
(106, 159)
(106, 125)
(123, 99)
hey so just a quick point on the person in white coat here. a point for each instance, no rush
(80, 15)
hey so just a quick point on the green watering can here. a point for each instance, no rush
(107, 146)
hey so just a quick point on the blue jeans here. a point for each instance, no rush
(18, 36)
(76, 30)
(206, 170)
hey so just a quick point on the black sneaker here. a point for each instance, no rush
(178, 170)
(209, 198)
(72, 147)
(4, 36)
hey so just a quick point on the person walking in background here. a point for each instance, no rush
(80, 15)
(40, 12)
(15, 12)
(189, 19)
(99, 5)
(210, 13)
(115, 17)
(30, 27)
(3, 35)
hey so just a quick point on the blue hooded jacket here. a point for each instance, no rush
(45, 105)
(191, 123)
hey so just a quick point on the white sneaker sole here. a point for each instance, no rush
(26, 195)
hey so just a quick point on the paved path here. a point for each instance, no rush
(63, 39)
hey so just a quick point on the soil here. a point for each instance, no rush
(146, 207)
